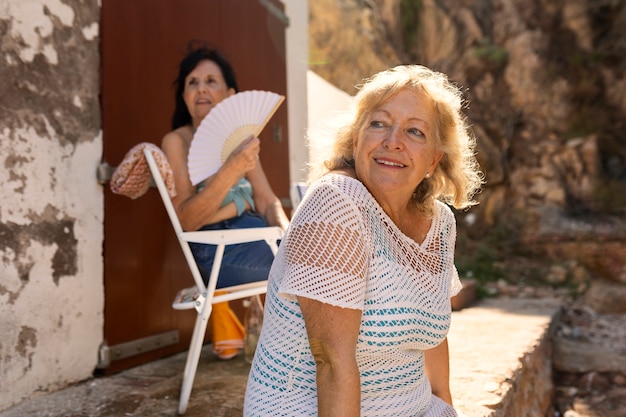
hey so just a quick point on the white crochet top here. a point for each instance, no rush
(341, 248)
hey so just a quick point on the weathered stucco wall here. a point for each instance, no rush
(51, 206)
(297, 44)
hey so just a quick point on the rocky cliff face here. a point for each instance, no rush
(546, 87)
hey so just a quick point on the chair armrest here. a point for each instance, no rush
(233, 236)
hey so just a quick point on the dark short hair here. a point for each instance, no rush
(197, 54)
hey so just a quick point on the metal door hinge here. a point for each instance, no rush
(104, 173)
(108, 354)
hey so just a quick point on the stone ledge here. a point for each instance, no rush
(500, 357)
(499, 367)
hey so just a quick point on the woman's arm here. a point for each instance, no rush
(333, 333)
(437, 363)
(197, 209)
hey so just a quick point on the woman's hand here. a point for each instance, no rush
(245, 156)
(197, 209)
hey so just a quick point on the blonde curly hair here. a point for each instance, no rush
(457, 177)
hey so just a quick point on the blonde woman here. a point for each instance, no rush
(358, 305)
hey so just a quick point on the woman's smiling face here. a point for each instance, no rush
(396, 148)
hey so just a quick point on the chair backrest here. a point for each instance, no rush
(297, 191)
(171, 212)
(160, 184)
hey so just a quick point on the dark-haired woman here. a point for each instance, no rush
(238, 195)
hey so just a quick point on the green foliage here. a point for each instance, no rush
(483, 265)
(409, 15)
(484, 257)
(492, 54)
(586, 59)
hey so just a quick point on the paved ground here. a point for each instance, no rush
(486, 344)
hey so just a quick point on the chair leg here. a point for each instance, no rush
(191, 365)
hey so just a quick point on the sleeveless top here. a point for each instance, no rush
(342, 249)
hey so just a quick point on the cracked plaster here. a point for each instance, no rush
(51, 206)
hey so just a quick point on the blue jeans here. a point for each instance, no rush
(242, 263)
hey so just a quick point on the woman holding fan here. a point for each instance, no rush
(238, 195)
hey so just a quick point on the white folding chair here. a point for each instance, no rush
(204, 303)
(297, 191)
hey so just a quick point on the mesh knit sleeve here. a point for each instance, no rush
(325, 250)
(450, 221)
(455, 283)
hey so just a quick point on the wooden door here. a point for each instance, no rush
(142, 44)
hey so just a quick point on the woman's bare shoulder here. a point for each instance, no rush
(180, 137)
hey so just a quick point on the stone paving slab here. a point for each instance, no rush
(488, 344)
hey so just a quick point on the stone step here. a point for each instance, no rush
(500, 357)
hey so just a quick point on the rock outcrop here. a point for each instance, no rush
(546, 87)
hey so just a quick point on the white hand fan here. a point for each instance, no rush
(228, 124)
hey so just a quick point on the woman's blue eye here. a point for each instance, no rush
(376, 124)
(415, 132)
